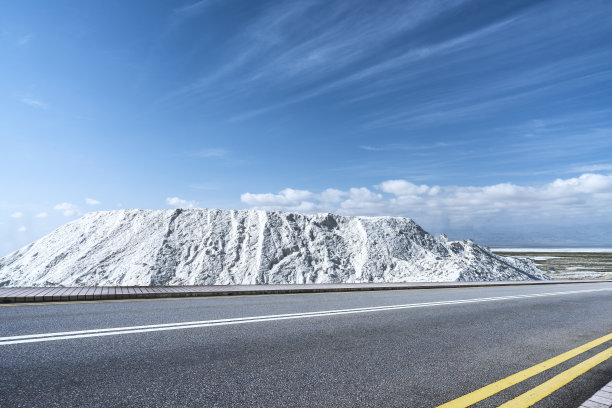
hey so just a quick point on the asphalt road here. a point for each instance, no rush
(391, 357)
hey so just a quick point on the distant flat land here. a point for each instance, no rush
(567, 263)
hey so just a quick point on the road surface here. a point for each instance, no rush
(413, 348)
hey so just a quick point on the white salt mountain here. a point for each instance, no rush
(220, 247)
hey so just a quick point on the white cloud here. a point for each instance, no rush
(91, 201)
(180, 203)
(68, 209)
(331, 195)
(303, 200)
(588, 196)
(36, 103)
(404, 188)
(22, 228)
(362, 200)
(286, 198)
(17, 214)
(41, 215)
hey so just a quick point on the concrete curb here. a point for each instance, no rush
(62, 294)
(601, 399)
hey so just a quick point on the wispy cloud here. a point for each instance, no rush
(526, 151)
(192, 9)
(24, 40)
(22, 228)
(36, 103)
(592, 168)
(283, 53)
(211, 152)
(91, 201)
(41, 215)
(358, 53)
(180, 203)
(413, 146)
(17, 214)
(346, 34)
(494, 93)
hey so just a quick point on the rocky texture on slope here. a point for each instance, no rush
(208, 247)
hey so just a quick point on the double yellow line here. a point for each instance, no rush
(541, 391)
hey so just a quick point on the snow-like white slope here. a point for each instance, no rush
(206, 247)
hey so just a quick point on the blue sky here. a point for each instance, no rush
(490, 120)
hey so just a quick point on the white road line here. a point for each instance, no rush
(42, 337)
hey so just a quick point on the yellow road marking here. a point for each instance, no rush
(545, 389)
(491, 389)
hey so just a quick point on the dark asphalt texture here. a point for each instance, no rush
(399, 358)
